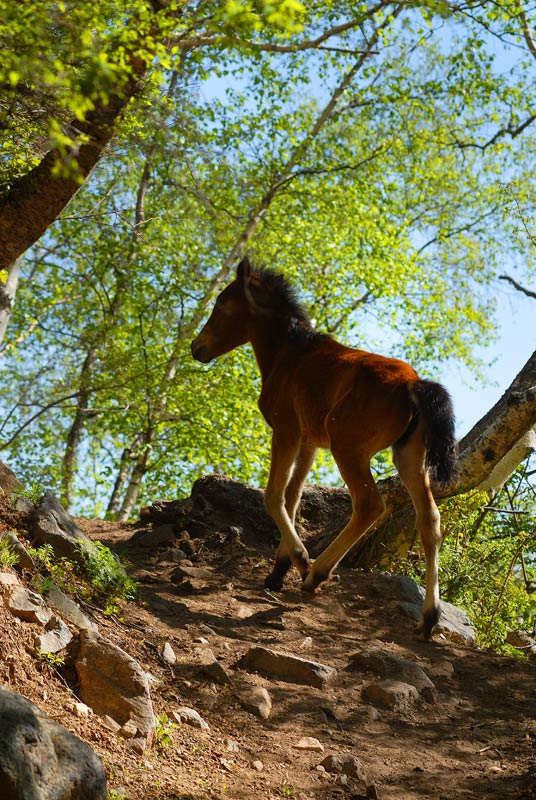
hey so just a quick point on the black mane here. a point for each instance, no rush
(293, 320)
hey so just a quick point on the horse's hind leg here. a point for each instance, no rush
(367, 506)
(409, 459)
(281, 499)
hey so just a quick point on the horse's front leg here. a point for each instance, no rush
(281, 499)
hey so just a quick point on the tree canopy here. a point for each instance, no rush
(377, 153)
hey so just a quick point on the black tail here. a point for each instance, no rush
(435, 407)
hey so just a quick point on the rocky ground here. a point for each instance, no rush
(467, 731)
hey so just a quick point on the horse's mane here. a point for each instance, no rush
(291, 317)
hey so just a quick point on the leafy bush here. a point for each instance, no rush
(108, 579)
(99, 577)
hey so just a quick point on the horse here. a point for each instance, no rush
(317, 392)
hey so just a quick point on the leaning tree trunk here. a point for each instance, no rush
(486, 454)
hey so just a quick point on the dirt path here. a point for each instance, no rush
(476, 741)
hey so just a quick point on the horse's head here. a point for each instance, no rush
(227, 327)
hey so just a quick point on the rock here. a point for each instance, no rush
(69, 609)
(391, 694)
(183, 572)
(168, 654)
(212, 667)
(24, 505)
(155, 537)
(81, 710)
(384, 663)
(52, 525)
(232, 746)
(114, 684)
(407, 598)
(189, 716)
(258, 765)
(8, 480)
(41, 760)
(56, 638)
(28, 606)
(129, 730)
(173, 554)
(258, 701)
(25, 561)
(8, 579)
(111, 724)
(309, 743)
(286, 667)
(343, 764)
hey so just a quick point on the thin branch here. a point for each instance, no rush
(509, 130)
(517, 286)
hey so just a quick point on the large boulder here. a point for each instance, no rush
(41, 760)
(115, 686)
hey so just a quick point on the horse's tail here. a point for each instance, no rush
(435, 407)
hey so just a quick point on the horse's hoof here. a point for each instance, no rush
(273, 584)
(311, 582)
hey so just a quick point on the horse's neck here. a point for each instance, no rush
(266, 346)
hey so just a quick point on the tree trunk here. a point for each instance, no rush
(7, 295)
(77, 428)
(141, 468)
(125, 467)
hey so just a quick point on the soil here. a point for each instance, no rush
(477, 741)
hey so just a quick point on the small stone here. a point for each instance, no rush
(111, 723)
(342, 779)
(212, 667)
(56, 638)
(232, 746)
(128, 730)
(391, 694)
(182, 572)
(139, 745)
(309, 743)
(258, 765)
(343, 763)
(81, 710)
(28, 606)
(287, 667)
(8, 579)
(243, 612)
(258, 701)
(168, 654)
(189, 716)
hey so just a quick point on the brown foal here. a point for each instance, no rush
(318, 393)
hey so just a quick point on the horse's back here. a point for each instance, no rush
(331, 391)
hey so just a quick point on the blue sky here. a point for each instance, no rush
(516, 341)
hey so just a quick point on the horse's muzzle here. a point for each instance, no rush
(200, 352)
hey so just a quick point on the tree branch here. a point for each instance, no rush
(517, 286)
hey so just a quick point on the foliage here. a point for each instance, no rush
(8, 557)
(52, 660)
(488, 558)
(376, 182)
(99, 577)
(106, 576)
(164, 731)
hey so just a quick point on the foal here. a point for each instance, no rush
(318, 393)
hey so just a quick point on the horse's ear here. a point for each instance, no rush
(243, 271)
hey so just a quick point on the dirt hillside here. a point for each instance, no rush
(474, 738)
